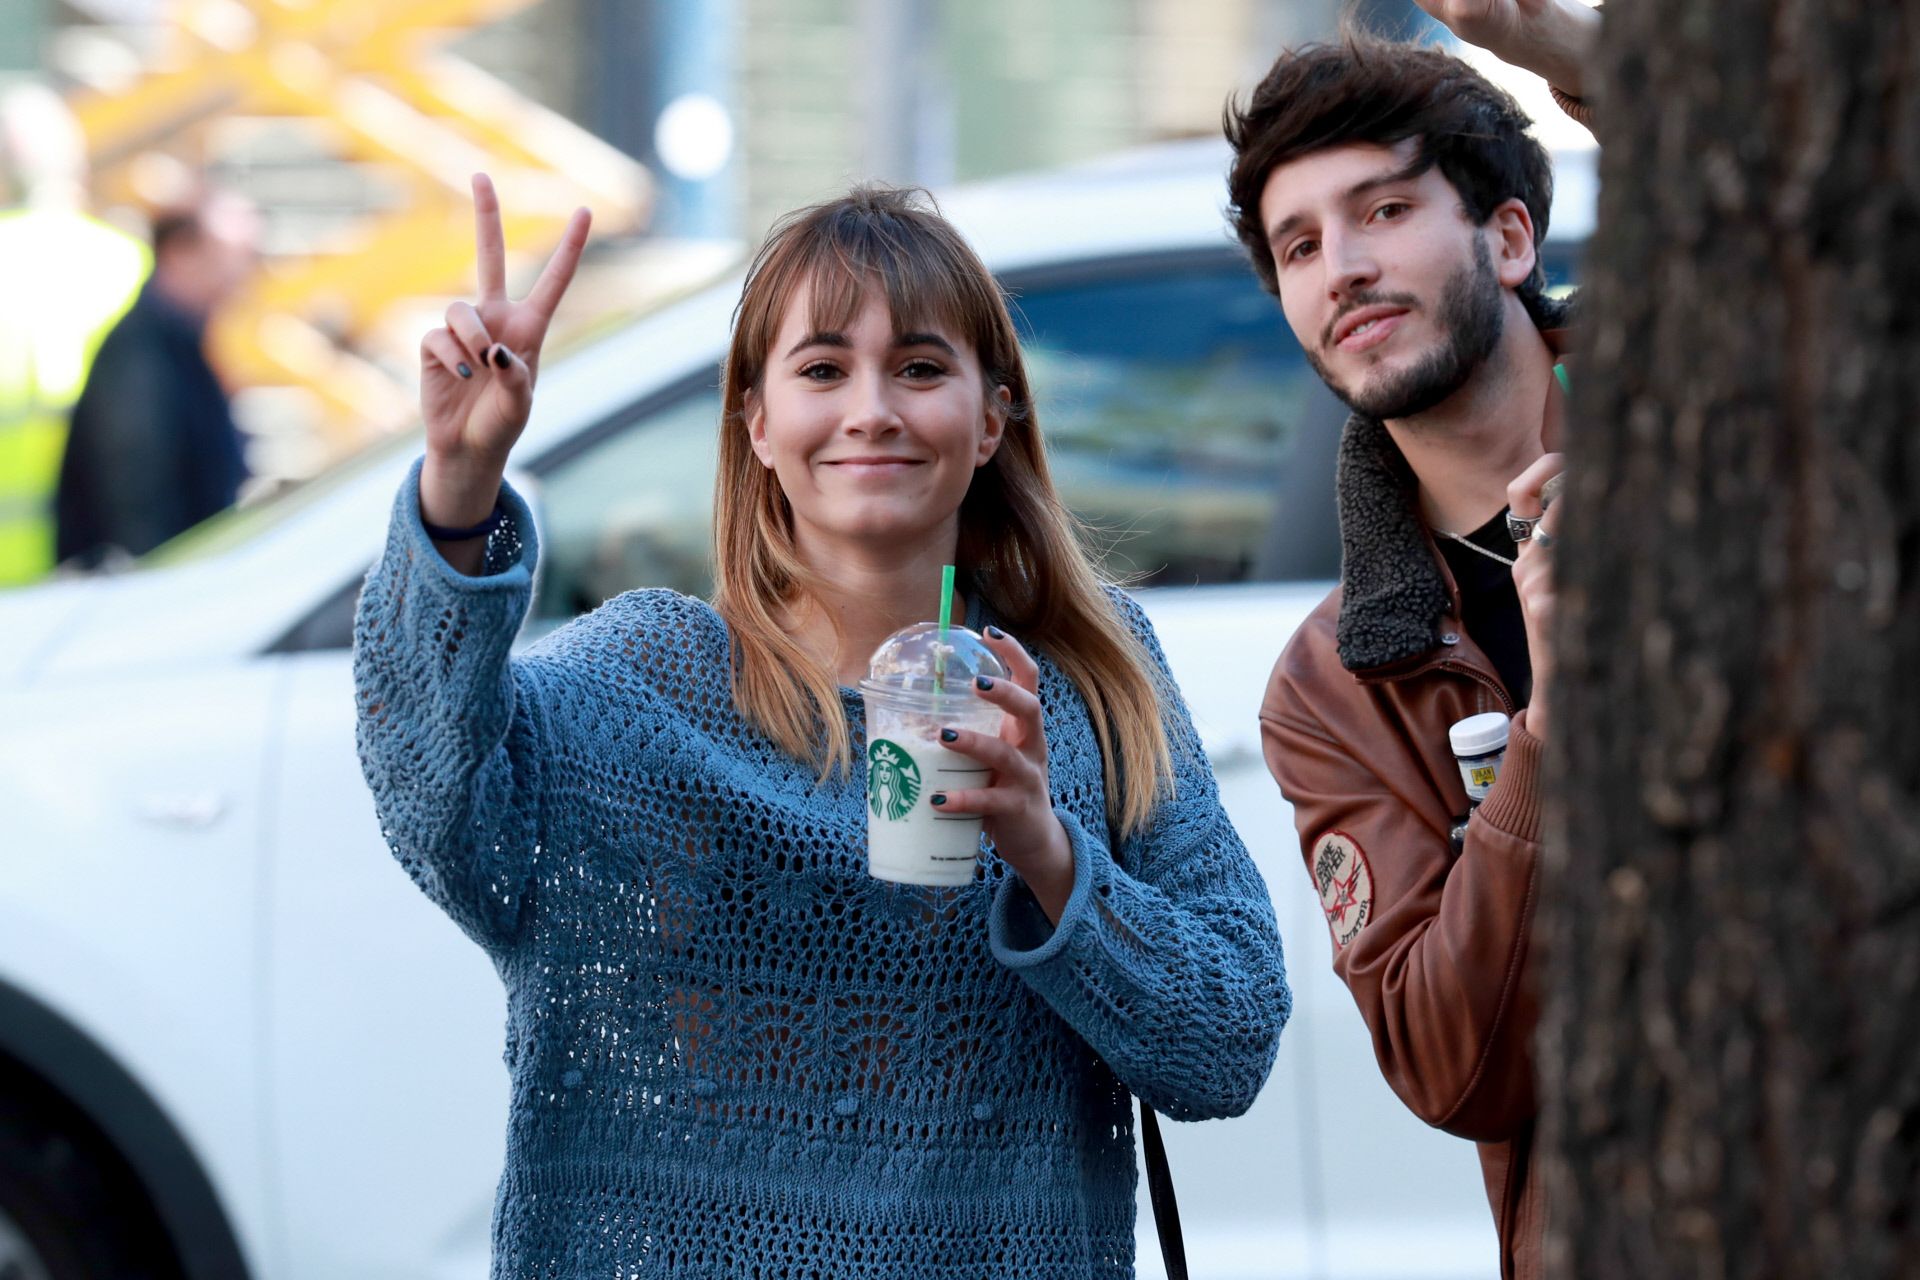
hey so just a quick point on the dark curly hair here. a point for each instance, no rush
(1363, 89)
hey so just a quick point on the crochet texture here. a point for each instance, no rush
(734, 1053)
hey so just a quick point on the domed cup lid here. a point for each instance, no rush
(917, 660)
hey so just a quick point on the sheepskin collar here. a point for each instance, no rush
(1393, 591)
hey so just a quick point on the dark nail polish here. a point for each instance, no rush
(949, 735)
(984, 682)
(939, 798)
(500, 360)
(996, 633)
(463, 370)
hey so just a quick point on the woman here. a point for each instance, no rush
(732, 1051)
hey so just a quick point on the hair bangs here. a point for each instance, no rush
(859, 254)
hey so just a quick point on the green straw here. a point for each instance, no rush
(946, 620)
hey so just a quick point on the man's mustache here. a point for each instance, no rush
(1360, 300)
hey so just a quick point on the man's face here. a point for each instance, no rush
(230, 245)
(1394, 295)
(207, 266)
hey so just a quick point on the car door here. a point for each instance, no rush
(387, 1106)
(1186, 428)
(131, 802)
(1169, 394)
(387, 1097)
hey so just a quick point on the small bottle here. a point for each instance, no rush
(1479, 743)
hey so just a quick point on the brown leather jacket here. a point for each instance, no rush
(1433, 945)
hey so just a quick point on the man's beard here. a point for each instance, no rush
(1472, 319)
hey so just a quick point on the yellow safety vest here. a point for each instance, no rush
(65, 279)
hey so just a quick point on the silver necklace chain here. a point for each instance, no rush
(1471, 545)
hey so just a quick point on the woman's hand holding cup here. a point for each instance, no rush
(477, 373)
(1017, 803)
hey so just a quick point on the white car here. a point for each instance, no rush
(235, 1041)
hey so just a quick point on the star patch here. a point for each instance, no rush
(1345, 882)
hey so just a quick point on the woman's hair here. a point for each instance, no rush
(1019, 548)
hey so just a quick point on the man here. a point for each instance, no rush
(153, 449)
(1391, 200)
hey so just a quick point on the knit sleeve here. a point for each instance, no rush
(449, 731)
(1167, 957)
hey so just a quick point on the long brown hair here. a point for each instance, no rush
(1018, 546)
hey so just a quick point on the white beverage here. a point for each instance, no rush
(920, 682)
(909, 839)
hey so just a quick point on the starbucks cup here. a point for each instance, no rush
(917, 684)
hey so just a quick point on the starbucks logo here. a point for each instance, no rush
(893, 780)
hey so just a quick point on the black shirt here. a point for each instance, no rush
(1489, 605)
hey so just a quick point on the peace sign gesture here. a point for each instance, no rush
(477, 371)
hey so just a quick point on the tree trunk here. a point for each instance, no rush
(1729, 1052)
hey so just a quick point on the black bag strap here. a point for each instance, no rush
(1166, 1212)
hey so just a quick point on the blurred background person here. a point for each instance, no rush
(67, 277)
(153, 448)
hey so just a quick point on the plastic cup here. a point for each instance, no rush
(918, 684)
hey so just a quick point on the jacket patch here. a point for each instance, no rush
(1345, 881)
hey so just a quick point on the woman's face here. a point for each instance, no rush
(874, 435)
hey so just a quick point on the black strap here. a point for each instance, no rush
(1166, 1212)
(441, 533)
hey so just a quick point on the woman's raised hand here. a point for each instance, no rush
(477, 371)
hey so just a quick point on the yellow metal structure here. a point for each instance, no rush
(373, 75)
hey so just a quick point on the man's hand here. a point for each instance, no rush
(1533, 580)
(1550, 38)
(1491, 24)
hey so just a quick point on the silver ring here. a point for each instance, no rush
(1544, 540)
(1520, 528)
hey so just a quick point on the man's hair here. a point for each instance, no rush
(1363, 89)
(179, 225)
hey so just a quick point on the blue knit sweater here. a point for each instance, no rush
(733, 1052)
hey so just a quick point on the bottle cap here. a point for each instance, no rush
(913, 658)
(1480, 735)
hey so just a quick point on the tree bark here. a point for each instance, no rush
(1729, 1059)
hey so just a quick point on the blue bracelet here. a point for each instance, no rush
(440, 533)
